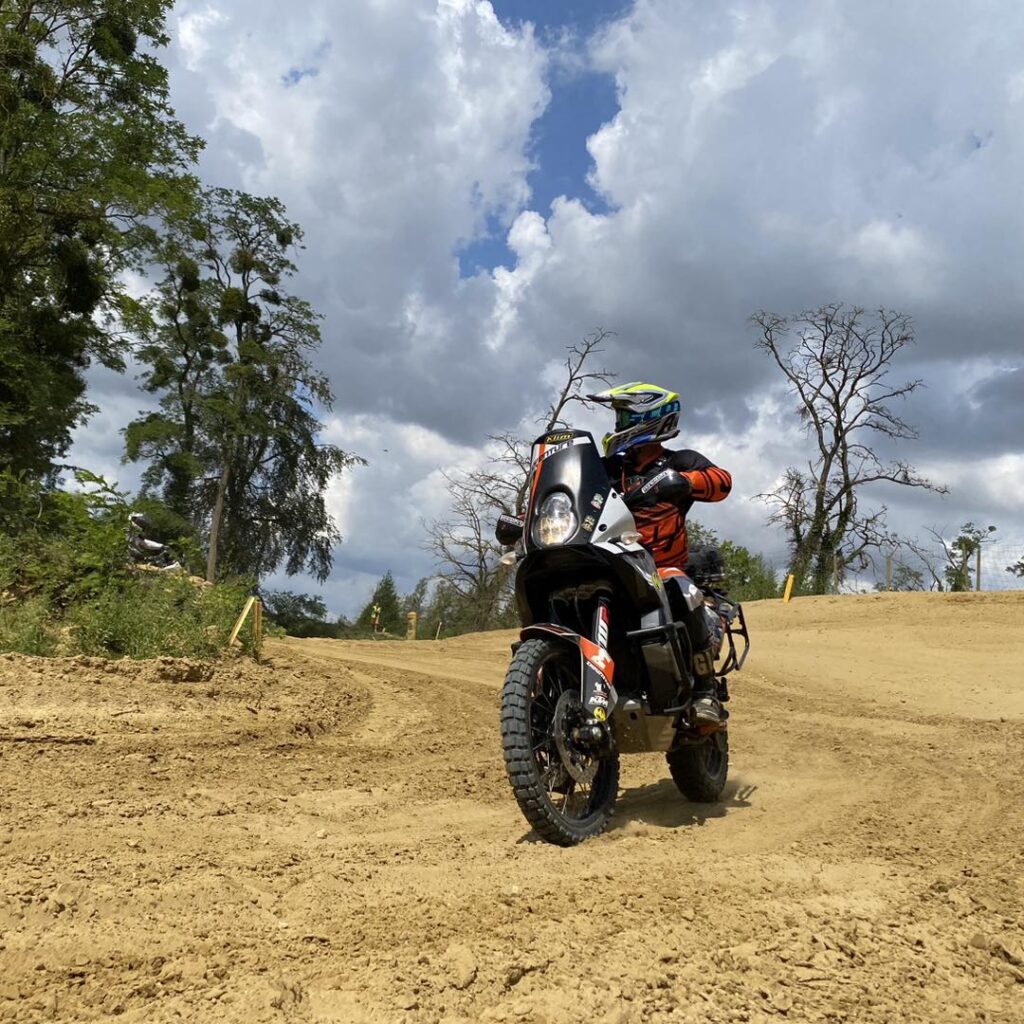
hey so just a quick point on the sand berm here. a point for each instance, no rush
(331, 837)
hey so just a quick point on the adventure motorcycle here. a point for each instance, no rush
(603, 666)
(148, 554)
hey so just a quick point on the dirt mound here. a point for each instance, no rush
(330, 837)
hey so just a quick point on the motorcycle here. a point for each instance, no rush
(603, 665)
(145, 554)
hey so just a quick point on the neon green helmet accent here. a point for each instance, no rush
(644, 414)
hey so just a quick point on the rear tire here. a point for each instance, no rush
(561, 810)
(701, 770)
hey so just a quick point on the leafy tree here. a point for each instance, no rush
(63, 545)
(235, 445)
(749, 576)
(960, 555)
(837, 363)
(89, 151)
(1017, 569)
(385, 596)
(906, 578)
(415, 600)
(299, 614)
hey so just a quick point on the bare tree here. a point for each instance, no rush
(959, 552)
(948, 562)
(508, 474)
(837, 361)
(463, 542)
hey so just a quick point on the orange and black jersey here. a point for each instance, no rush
(663, 526)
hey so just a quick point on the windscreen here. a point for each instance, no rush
(568, 489)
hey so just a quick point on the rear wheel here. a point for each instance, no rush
(565, 791)
(700, 769)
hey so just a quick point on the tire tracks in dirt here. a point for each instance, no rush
(349, 851)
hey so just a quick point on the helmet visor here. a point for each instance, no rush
(625, 418)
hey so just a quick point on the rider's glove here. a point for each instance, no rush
(668, 485)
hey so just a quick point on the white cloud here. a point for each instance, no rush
(765, 155)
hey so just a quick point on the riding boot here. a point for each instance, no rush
(708, 712)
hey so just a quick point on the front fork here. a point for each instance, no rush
(598, 692)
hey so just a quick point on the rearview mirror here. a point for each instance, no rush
(508, 530)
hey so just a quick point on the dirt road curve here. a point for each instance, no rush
(333, 839)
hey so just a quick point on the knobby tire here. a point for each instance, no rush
(524, 773)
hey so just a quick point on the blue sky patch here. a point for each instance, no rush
(295, 75)
(580, 103)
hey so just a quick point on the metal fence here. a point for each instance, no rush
(996, 559)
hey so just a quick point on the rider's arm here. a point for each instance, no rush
(708, 481)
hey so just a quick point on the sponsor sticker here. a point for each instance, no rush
(597, 501)
(598, 659)
(589, 523)
(600, 714)
(554, 449)
(555, 438)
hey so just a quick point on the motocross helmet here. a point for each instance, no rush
(644, 414)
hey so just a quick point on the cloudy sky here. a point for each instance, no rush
(483, 183)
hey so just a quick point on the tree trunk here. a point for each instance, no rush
(218, 513)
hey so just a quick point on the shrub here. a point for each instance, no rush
(25, 627)
(67, 585)
(161, 614)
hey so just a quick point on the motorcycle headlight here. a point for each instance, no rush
(556, 521)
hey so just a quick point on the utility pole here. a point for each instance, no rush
(977, 568)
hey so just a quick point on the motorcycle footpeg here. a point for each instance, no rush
(722, 691)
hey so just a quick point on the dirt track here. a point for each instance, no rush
(333, 839)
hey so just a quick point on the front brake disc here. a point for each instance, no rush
(580, 765)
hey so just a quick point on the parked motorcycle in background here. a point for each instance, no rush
(603, 666)
(145, 552)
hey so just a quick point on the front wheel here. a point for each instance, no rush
(701, 769)
(566, 793)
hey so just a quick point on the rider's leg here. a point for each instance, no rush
(689, 607)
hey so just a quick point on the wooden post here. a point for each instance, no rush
(437, 635)
(241, 621)
(410, 626)
(977, 569)
(888, 572)
(257, 629)
(788, 593)
(254, 605)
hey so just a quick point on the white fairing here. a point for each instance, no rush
(614, 521)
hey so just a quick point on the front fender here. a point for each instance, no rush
(596, 666)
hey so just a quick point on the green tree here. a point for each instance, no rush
(385, 597)
(90, 151)
(749, 576)
(299, 614)
(960, 554)
(235, 446)
(904, 578)
(416, 599)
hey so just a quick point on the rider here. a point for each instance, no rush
(645, 416)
